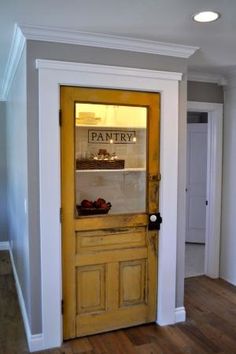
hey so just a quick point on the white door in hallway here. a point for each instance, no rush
(196, 182)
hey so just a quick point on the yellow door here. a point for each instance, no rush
(110, 181)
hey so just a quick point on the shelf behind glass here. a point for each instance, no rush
(135, 169)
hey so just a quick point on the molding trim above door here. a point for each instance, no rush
(214, 182)
(51, 76)
(101, 40)
(22, 33)
(107, 70)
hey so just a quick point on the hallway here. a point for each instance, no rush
(210, 326)
(194, 260)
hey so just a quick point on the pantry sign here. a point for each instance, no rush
(99, 136)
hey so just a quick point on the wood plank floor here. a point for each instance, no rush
(210, 326)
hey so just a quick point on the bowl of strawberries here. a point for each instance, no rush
(88, 207)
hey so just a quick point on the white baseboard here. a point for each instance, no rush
(180, 314)
(35, 341)
(229, 280)
(4, 246)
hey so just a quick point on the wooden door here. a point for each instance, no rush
(196, 182)
(109, 260)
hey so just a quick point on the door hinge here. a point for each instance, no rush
(60, 215)
(62, 307)
(206, 202)
(60, 117)
(154, 178)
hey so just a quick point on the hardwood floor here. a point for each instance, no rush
(210, 326)
(12, 335)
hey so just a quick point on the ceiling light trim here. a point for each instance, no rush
(17, 46)
(59, 35)
(196, 18)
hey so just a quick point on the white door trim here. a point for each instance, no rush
(52, 74)
(214, 182)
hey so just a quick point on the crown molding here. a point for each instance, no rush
(107, 70)
(64, 35)
(206, 77)
(17, 46)
(59, 35)
(231, 79)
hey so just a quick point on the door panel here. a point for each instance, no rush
(196, 182)
(110, 239)
(91, 282)
(110, 149)
(132, 282)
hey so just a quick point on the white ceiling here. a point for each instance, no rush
(158, 20)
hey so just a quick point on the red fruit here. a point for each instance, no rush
(95, 204)
(104, 206)
(86, 204)
(99, 202)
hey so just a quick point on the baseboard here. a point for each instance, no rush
(194, 275)
(180, 314)
(4, 246)
(227, 279)
(35, 341)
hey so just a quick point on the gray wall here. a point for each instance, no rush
(17, 178)
(85, 54)
(3, 174)
(205, 92)
(228, 233)
(64, 52)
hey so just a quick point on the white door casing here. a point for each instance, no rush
(196, 182)
(52, 74)
(214, 183)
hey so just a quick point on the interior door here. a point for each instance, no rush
(110, 181)
(196, 182)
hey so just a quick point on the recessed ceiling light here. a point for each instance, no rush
(206, 16)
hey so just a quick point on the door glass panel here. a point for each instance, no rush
(110, 159)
